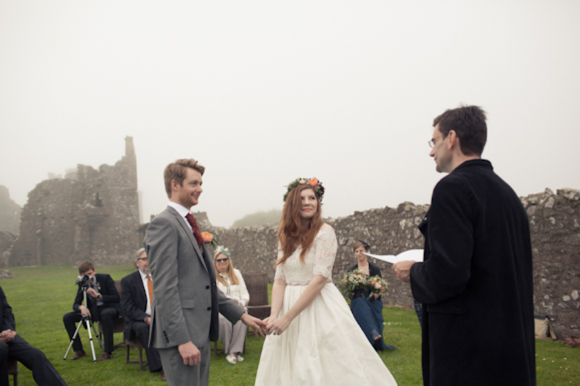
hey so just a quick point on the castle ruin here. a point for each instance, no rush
(88, 215)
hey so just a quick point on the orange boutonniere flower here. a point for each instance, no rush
(209, 238)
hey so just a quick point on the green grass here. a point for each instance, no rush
(40, 296)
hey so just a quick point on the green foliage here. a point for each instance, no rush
(40, 296)
(271, 217)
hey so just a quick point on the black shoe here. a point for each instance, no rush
(105, 357)
(78, 355)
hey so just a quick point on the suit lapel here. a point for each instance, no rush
(181, 221)
(141, 290)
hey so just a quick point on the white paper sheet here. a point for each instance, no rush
(411, 254)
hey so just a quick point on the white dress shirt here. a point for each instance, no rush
(146, 286)
(182, 210)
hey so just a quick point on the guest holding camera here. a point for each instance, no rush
(231, 283)
(103, 305)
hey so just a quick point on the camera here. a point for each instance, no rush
(83, 281)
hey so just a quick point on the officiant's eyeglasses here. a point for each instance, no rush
(222, 260)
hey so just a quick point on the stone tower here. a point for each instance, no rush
(89, 215)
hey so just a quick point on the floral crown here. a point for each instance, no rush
(313, 182)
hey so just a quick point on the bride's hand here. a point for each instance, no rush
(269, 320)
(277, 326)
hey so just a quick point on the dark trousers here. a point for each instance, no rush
(31, 357)
(141, 329)
(106, 316)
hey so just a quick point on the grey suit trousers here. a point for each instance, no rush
(178, 374)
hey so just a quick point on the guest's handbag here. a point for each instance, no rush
(543, 328)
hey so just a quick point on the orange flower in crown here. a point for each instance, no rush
(312, 182)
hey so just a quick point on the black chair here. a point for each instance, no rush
(257, 285)
(118, 324)
(129, 344)
(13, 369)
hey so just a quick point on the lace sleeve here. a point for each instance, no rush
(325, 253)
(279, 269)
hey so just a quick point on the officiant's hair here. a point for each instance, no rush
(177, 171)
(469, 125)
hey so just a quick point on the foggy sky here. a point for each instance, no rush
(263, 92)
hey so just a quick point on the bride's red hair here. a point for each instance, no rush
(290, 228)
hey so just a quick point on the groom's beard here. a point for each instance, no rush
(144, 271)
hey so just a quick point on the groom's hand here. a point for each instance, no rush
(257, 324)
(190, 354)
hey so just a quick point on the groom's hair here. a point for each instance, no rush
(177, 170)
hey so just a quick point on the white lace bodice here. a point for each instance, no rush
(318, 261)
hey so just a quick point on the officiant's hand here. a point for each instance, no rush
(403, 270)
(277, 326)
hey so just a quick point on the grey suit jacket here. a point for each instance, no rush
(186, 301)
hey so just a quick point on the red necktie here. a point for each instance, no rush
(196, 232)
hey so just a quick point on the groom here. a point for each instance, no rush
(186, 300)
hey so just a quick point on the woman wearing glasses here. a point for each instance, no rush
(230, 282)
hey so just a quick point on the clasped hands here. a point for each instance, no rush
(192, 356)
(7, 336)
(275, 325)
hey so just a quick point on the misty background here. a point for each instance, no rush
(263, 92)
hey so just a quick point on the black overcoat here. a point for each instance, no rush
(475, 283)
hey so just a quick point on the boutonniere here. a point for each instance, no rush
(209, 238)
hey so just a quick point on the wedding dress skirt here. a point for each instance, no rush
(323, 345)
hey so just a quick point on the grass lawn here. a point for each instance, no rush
(40, 296)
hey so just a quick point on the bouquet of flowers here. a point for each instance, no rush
(356, 281)
(377, 285)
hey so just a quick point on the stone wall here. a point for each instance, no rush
(89, 215)
(9, 212)
(555, 231)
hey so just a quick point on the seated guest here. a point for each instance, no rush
(368, 313)
(103, 305)
(231, 283)
(13, 346)
(137, 290)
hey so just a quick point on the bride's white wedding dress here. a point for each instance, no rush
(323, 345)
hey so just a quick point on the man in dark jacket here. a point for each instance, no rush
(475, 283)
(137, 290)
(103, 305)
(13, 346)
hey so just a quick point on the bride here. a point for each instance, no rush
(313, 338)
